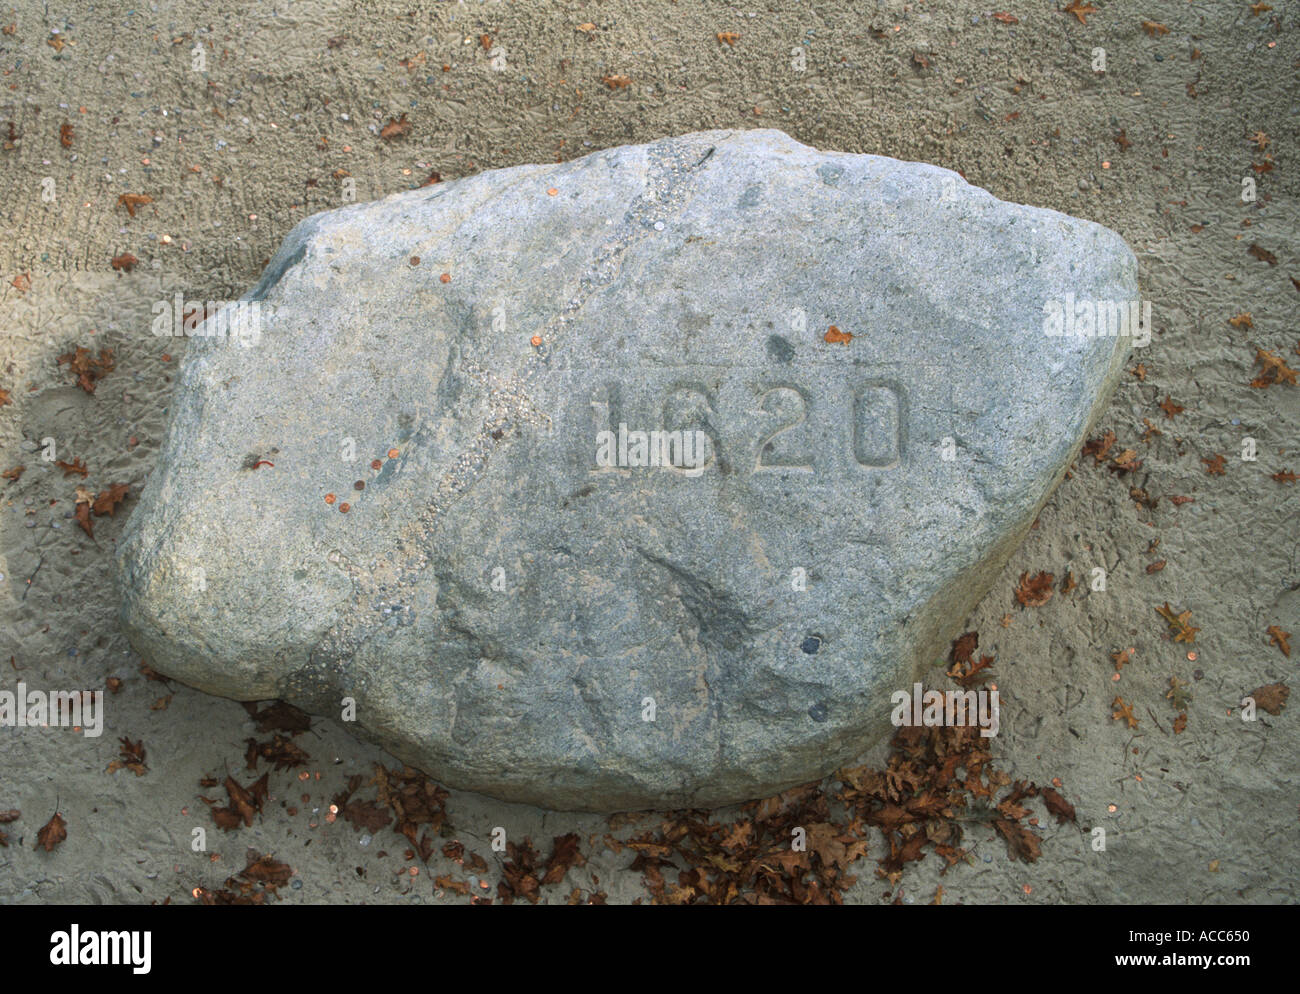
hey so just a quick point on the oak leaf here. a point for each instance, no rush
(1179, 624)
(1123, 712)
(1035, 591)
(69, 468)
(1080, 10)
(1271, 697)
(1275, 370)
(1098, 447)
(86, 367)
(1279, 638)
(395, 128)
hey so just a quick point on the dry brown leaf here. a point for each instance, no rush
(1271, 697)
(54, 831)
(1035, 591)
(133, 200)
(1279, 638)
(1123, 712)
(1179, 624)
(1262, 254)
(395, 128)
(1080, 10)
(77, 466)
(1275, 370)
(86, 367)
(1098, 447)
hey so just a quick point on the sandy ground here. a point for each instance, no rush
(233, 156)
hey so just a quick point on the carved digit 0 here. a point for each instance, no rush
(877, 422)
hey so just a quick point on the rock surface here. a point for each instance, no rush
(505, 611)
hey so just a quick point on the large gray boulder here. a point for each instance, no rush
(506, 609)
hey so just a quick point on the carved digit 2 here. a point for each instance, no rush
(763, 443)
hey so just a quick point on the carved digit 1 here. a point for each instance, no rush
(877, 419)
(607, 414)
(771, 403)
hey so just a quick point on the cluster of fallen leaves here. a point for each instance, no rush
(130, 757)
(1180, 624)
(962, 665)
(281, 752)
(86, 368)
(521, 876)
(1099, 448)
(753, 860)
(937, 781)
(262, 876)
(407, 797)
(245, 802)
(103, 503)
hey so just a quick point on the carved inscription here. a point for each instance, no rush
(752, 424)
